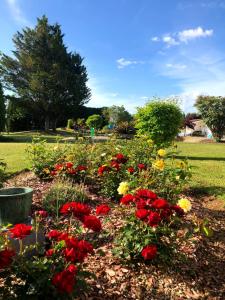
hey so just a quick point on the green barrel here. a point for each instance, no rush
(15, 204)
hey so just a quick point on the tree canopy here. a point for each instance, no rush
(212, 109)
(160, 120)
(2, 109)
(116, 114)
(94, 121)
(47, 79)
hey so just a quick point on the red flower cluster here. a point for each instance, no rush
(64, 281)
(68, 168)
(79, 210)
(149, 252)
(103, 169)
(150, 208)
(20, 231)
(103, 209)
(82, 213)
(77, 251)
(6, 257)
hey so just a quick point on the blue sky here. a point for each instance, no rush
(135, 49)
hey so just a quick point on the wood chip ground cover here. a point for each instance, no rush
(200, 276)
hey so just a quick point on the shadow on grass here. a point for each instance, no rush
(206, 191)
(200, 158)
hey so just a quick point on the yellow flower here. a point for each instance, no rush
(177, 177)
(161, 152)
(56, 148)
(159, 164)
(185, 204)
(181, 164)
(123, 188)
(46, 170)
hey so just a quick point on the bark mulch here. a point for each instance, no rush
(200, 276)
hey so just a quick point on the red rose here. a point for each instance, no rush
(41, 213)
(145, 194)
(131, 170)
(81, 168)
(160, 204)
(72, 242)
(72, 268)
(179, 211)
(127, 199)
(69, 165)
(53, 173)
(6, 256)
(153, 219)
(165, 213)
(149, 252)
(103, 169)
(58, 167)
(141, 167)
(92, 222)
(54, 234)
(85, 246)
(49, 252)
(141, 204)
(72, 171)
(121, 159)
(103, 209)
(78, 209)
(20, 231)
(141, 213)
(64, 281)
(115, 164)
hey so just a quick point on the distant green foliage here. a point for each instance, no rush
(212, 109)
(94, 121)
(116, 114)
(160, 120)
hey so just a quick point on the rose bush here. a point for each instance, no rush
(150, 230)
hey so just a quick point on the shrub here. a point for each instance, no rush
(62, 192)
(124, 128)
(150, 230)
(94, 121)
(70, 123)
(160, 120)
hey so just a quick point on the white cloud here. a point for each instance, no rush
(170, 41)
(16, 12)
(174, 39)
(191, 34)
(122, 63)
(176, 66)
(155, 39)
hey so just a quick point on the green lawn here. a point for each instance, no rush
(14, 155)
(208, 161)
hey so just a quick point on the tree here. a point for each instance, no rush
(212, 109)
(94, 121)
(43, 75)
(116, 114)
(2, 109)
(160, 120)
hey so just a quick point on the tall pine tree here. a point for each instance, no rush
(2, 109)
(48, 80)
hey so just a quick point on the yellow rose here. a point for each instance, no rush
(161, 152)
(185, 204)
(177, 177)
(123, 188)
(159, 164)
(46, 170)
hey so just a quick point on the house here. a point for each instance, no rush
(200, 129)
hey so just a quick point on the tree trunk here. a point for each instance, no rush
(47, 123)
(54, 123)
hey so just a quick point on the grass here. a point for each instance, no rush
(14, 155)
(208, 161)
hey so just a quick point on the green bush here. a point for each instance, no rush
(160, 120)
(94, 121)
(70, 124)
